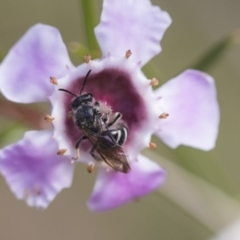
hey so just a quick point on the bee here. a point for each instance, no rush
(102, 127)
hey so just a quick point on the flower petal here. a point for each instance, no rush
(33, 170)
(134, 25)
(113, 189)
(25, 72)
(191, 102)
(117, 82)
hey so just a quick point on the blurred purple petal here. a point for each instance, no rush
(113, 189)
(33, 170)
(191, 102)
(134, 25)
(25, 72)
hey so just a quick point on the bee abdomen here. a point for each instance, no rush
(120, 135)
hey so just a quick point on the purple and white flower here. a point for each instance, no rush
(32, 168)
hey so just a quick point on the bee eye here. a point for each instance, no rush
(76, 103)
(86, 97)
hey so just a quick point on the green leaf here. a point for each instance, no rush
(216, 52)
(11, 131)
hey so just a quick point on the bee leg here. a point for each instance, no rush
(107, 131)
(77, 147)
(97, 158)
(117, 117)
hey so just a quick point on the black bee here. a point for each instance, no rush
(102, 127)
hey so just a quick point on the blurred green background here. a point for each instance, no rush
(202, 193)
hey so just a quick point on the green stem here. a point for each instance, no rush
(216, 52)
(178, 208)
(90, 21)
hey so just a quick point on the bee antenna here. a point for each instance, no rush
(64, 90)
(85, 79)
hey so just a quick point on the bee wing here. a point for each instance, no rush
(113, 155)
(109, 152)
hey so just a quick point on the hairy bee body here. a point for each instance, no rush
(102, 127)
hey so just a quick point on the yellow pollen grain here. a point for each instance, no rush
(154, 82)
(90, 168)
(87, 58)
(48, 118)
(152, 146)
(128, 53)
(164, 115)
(61, 151)
(53, 80)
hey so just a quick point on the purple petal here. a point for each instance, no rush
(33, 170)
(25, 72)
(191, 102)
(113, 189)
(134, 25)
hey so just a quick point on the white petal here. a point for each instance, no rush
(25, 72)
(191, 102)
(33, 170)
(134, 25)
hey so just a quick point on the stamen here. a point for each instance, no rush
(164, 115)
(128, 53)
(53, 80)
(87, 58)
(152, 146)
(48, 118)
(90, 167)
(154, 82)
(61, 151)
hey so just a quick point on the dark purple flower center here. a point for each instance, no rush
(114, 87)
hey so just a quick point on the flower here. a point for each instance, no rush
(183, 111)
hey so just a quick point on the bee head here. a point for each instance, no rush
(82, 100)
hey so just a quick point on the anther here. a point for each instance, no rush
(87, 58)
(90, 167)
(152, 146)
(164, 115)
(128, 53)
(53, 80)
(61, 151)
(154, 82)
(48, 118)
